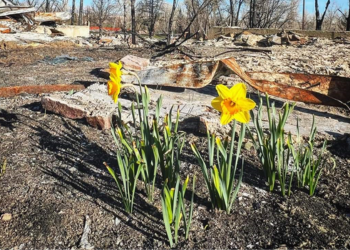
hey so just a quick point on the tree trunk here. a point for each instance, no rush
(348, 19)
(133, 22)
(252, 14)
(80, 18)
(73, 12)
(171, 20)
(100, 27)
(232, 10)
(238, 10)
(47, 6)
(303, 22)
(319, 20)
(124, 22)
(151, 19)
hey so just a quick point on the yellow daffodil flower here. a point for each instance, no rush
(114, 84)
(233, 104)
(115, 68)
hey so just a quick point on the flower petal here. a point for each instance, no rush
(115, 78)
(242, 117)
(226, 118)
(246, 104)
(116, 66)
(111, 88)
(216, 103)
(238, 91)
(115, 73)
(223, 91)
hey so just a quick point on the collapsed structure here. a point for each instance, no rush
(17, 19)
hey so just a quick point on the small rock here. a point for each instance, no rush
(248, 145)
(246, 195)
(117, 221)
(6, 217)
(72, 169)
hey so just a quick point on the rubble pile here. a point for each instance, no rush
(23, 26)
(322, 56)
(247, 38)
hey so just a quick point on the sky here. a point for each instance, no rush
(310, 5)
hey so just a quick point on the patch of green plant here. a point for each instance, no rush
(3, 168)
(155, 144)
(273, 151)
(219, 176)
(174, 209)
(308, 165)
(169, 146)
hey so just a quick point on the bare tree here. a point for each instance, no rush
(133, 22)
(150, 10)
(171, 20)
(47, 6)
(240, 2)
(81, 8)
(271, 13)
(347, 18)
(252, 14)
(232, 11)
(102, 10)
(319, 20)
(73, 12)
(303, 21)
(124, 19)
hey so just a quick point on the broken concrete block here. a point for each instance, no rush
(92, 104)
(43, 30)
(96, 106)
(134, 63)
(275, 40)
(58, 106)
(249, 39)
(74, 30)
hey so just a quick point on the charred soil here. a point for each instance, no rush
(55, 178)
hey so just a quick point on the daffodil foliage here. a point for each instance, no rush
(174, 210)
(220, 172)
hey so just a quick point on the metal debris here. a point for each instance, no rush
(291, 92)
(34, 89)
(315, 89)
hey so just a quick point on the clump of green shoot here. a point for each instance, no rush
(152, 144)
(308, 164)
(174, 209)
(220, 175)
(273, 151)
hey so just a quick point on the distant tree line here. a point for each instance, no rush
(186, 17)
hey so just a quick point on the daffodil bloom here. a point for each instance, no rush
(115, 68)
(114, 84)
(233, 104)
